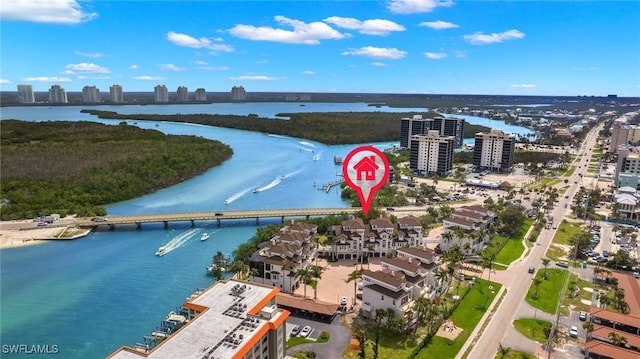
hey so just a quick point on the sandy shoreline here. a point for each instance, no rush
(15, 234)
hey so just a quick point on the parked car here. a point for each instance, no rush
(531, 270)
(343, 300)
(305, 331)
(562, 264)
(582, 316)
(636, 274)
(295, 331)
(573, 331)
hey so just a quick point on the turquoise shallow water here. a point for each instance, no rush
(90, 296)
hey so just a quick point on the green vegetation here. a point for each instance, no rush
(511, 251)
(532, 328)
(293, 341)
(466, 316)
(545, 293)
(329, 128)
(507, 249)
(77, 167)
(516, 354)
(576, 294)
(566, 231)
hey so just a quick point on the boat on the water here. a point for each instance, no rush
(256, 190)
(204, 237)
(161, 251)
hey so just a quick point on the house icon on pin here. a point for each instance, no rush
(366, 168)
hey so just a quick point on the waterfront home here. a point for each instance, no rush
(400, 281)
(278, 261)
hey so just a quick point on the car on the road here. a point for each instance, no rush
(305, 331)
(554, 226)
(573, 331)
(295, 331)
(582, 316)
(562, 264)
(531, 270)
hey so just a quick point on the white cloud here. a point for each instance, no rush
(479, 38)
(201, 43)
(460, 53)
(5, 81)
(377, 52)
(256, 78)
(94, 55)
(439, 25)
(435, 55)
(262, 61)
(171, 67)
(47, 79)
(416, 6)
(302, 33)
(379, 64)
(149, 78)
(199, 62)
(46, 11)
(523, 86)
(368, 27)
(213, 68)
(308, 72)
(87, 67)
(133, 67)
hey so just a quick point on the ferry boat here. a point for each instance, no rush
(160, 251)
(204, 237)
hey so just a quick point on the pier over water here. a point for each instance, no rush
(218, 216)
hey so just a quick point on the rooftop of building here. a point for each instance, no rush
(234, 314)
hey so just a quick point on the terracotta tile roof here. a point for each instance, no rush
(381, 223)
(395, 280)
(631, 291)
(627, 319)
(402, 263)
(418, 251)
(388, 292)
(355, 223)
(603, 332)
(310, 305)
(410, 221)
(608, 350)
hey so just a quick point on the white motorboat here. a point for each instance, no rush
(160, 251)
(204, 237)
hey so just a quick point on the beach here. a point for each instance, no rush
(22, 233)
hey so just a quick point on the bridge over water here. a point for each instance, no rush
(218, 216)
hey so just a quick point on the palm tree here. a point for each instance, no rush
(316, 274)
(354, 276)
(239, 268)
(617, 340)
(545, 263)
(604, 301)
(447, 236)
(536, 282)
(503, 351)
(487, 262)
(588, 327)
(305, 276)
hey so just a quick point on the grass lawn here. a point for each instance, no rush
(569, 171)
(575, 295)
(548, 290)
(555, 253)
(293, 341)
(532, 328)
(517, 354)
(466, 316)
(566, 232)
(512, 248)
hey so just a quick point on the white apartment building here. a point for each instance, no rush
(400, 281)
(160, 93)
(115, 94)
(238, 93)
(90, 94)
(494, 151)
(57, 94)
(182, 94)
(431, 154)
(25, 94)
(201, 94)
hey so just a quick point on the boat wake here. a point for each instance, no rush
(317, 157)
(307, 144)
(236, 196)
(278, 136)
(177, 241)
(305, 149)
(291, 174)
(273, 183)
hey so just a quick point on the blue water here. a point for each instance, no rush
(92, 295)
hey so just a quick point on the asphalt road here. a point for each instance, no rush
(502, 320)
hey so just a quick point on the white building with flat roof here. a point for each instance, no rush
(230, 320)
(115, 94)
(25, 94)
(494, 151)
(160, 93)
(57, 94)
(90, 94)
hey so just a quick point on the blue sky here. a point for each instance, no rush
(403, 46)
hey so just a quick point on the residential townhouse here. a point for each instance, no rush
(401, 280)
(278, 261)
(355, 239)
(471, 219)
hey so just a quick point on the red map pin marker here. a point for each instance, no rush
(366, 170)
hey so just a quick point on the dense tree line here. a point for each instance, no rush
(330, 128)
(77, 167)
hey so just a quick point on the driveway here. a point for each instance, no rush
(340, 336)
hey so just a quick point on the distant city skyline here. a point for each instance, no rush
(545, 48)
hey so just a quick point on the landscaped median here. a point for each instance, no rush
(545, 293)
(533, 329)
(562, 241)
(509, 249)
